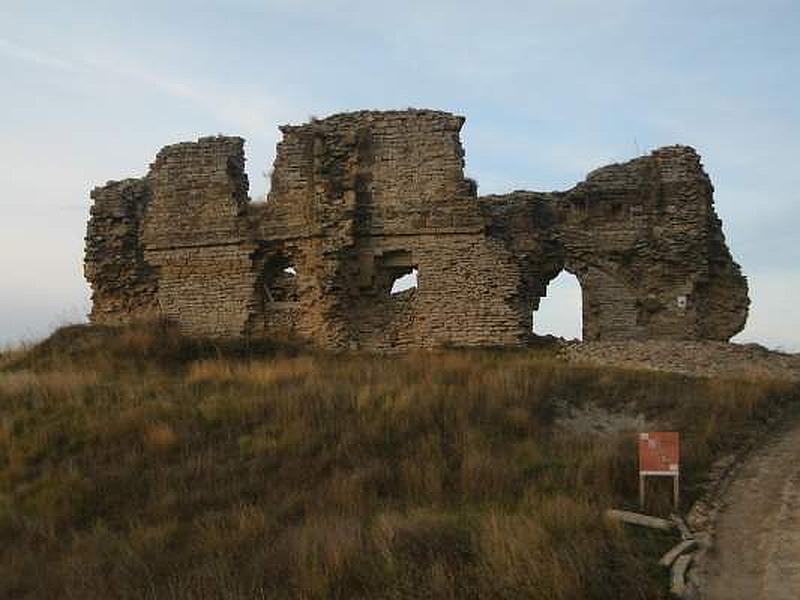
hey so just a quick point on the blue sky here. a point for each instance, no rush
(550, 89)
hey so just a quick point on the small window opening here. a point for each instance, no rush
(404, 281)
(280, 281)
(560, 311)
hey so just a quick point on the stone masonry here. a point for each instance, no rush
(360, 199)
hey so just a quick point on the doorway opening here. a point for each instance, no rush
(560, 310)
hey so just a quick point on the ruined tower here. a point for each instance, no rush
(360, 199)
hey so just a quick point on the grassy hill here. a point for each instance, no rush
(137, 464)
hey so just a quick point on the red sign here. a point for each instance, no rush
(659, 453)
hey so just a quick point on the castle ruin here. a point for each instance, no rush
(360, 199)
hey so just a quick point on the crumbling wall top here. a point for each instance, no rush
(199, 194)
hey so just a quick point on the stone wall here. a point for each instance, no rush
(643, 240)
(360, 199)
(124, 285)
(196, 236)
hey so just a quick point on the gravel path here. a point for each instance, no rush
(756, 553)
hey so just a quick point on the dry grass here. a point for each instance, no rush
(160, 436)
(137, 468)
(255, 373)
(61, 384)
(12, 354)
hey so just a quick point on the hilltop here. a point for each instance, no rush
(135, 463)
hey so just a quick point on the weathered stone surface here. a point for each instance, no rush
(125, 285)
(360, 199)
(694, 358)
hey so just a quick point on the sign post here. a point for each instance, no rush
(659, 456)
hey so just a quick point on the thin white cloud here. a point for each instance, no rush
(36, 57)
(253, 112)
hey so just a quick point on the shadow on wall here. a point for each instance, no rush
(561, 310)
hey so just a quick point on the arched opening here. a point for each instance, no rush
(560, 311)
(404, 281)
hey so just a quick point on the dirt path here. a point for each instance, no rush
(756, 553)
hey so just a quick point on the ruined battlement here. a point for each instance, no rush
(360, 199)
